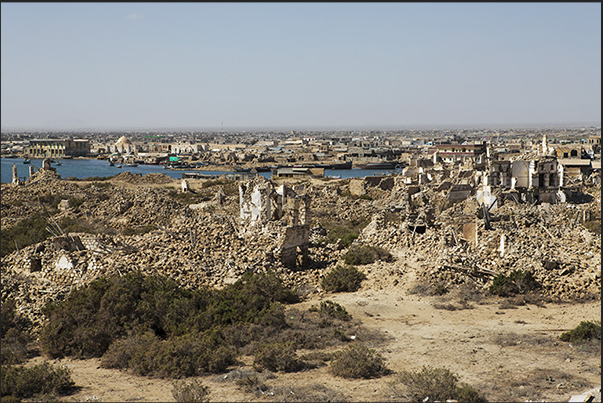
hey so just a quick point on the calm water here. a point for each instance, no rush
(83, 168)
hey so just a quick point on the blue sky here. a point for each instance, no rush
(299, 65)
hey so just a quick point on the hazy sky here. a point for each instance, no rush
(299, 65)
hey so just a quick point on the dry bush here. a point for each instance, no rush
(358, 361)
(332, 310)
(15, 340)
(517, 282)
(453, 307)
(343, 279)
(366, 255)
(190, 391)
(21, 382)
(584, 331)
(435, 384)
(309, 393)
(508, 339)
(277, 357)
(252, 384)
(428, 289)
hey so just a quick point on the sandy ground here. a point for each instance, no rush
(507, 354)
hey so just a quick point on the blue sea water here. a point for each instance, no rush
(86, 168)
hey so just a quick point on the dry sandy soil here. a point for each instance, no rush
(507, 354)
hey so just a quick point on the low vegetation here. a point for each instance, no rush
(42, 381)
(517, 282)
(277, 357)
(190, 391)
(15, 339)
(584, 331)
(435, 384)
(593, 221)
(27, 232)
(332, 310)
(343, 279)
(32, 230)
(366, 254)
(343, 231)
(357, 361)
(150, 326)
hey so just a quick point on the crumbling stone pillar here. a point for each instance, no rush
(15, 176)
(294, 246)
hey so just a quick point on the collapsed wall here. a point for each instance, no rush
(261, 205)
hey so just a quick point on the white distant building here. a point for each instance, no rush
(123, 146)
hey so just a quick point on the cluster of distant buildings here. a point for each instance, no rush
(511, 163)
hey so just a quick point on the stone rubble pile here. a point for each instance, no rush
(210, 246)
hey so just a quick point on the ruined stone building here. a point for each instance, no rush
(530, 178)
(449, 153)
(282, 212)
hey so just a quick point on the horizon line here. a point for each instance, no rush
(306, 127)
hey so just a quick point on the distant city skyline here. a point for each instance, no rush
(299, 66)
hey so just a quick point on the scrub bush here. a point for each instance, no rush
(190, 391)
(584, 331)
(366, 255)
(20, 382)
(517, 282)
(357, 361)
(437, 384)
(27, 232)
(343, 279)
(332, 310)
(277, 357)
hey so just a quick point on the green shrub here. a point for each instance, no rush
(14, 347)
(357, 361)
(151, 325)
(248, 300)
(14, 339)
(343, 279)
(517, 282)
(277, 357)
(346, 234)
(332, 310)
(584, 331)
(190, 391)
(21, 382)
(27, 232)
(437, 384)
(366, 255)
(185, 356)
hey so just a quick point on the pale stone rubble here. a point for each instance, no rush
(438, 224)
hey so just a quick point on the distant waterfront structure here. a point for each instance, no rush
(123, 146)
(58, 148)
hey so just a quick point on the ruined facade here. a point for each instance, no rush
(283, 211)
(539, 178)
